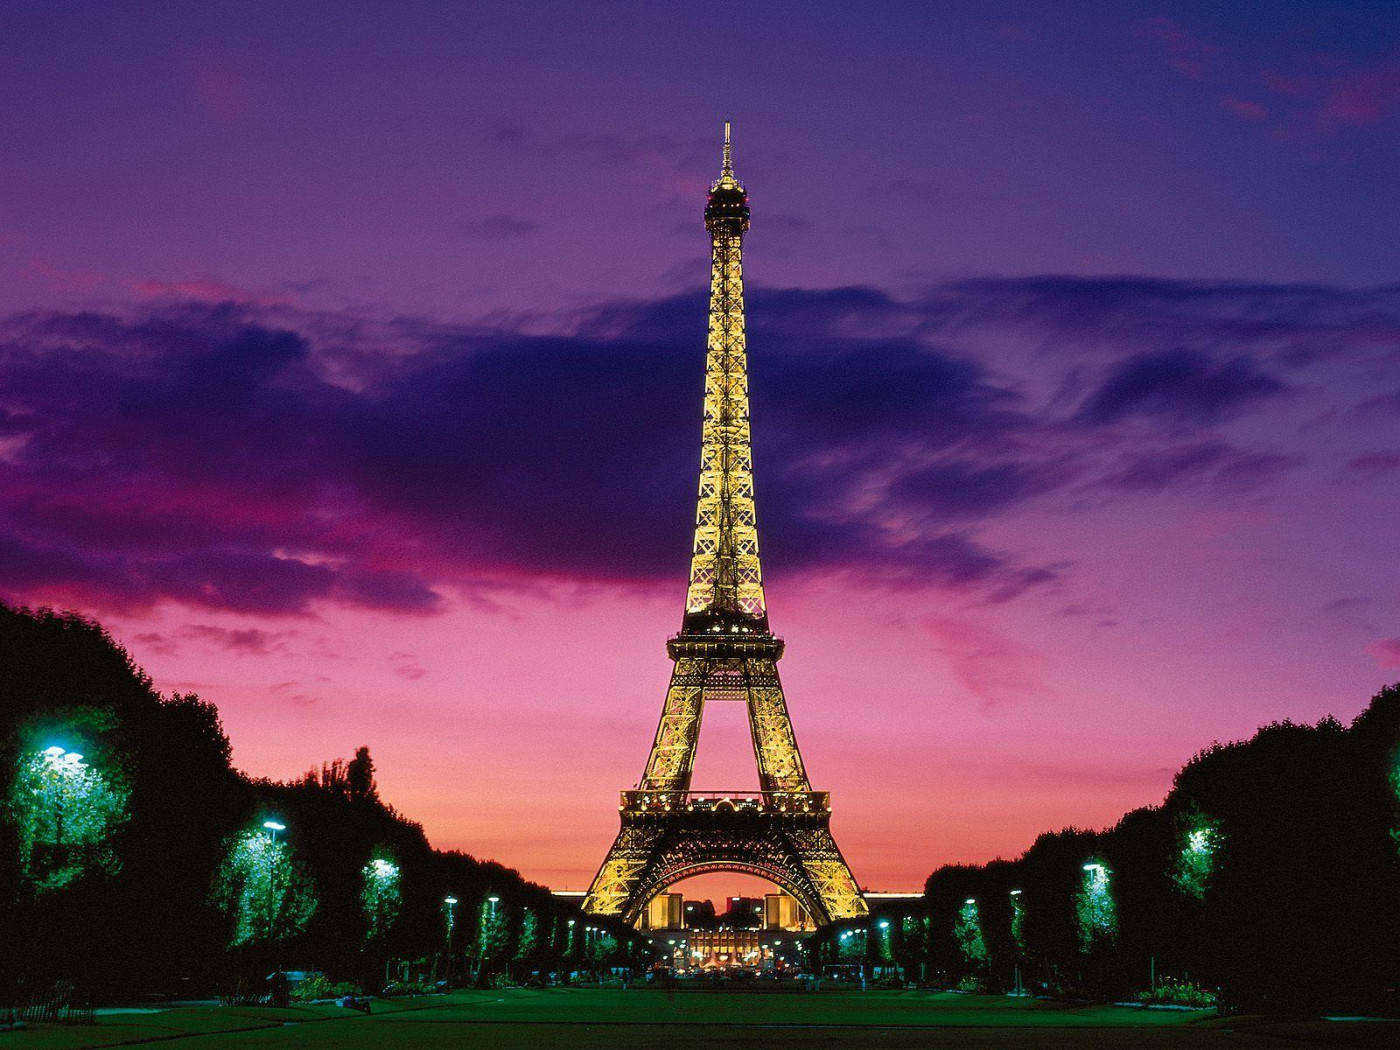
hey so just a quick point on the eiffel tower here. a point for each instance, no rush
(725, 652)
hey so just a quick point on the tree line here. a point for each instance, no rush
(134, 858)
(1267, 879)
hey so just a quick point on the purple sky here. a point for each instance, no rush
(350, 367)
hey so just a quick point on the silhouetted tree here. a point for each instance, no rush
(1270, 872)
(163, 907)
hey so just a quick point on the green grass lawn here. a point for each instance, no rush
(659, 1020)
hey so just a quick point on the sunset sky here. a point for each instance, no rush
(351, 368)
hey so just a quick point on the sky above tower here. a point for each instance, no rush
(351, 362)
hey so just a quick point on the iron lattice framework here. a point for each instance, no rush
(725, 652)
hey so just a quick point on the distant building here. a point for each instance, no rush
(782, 912)
(665, 911)
(742, 913)
(700, 915)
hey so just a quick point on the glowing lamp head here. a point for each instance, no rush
(970, 900)
(494, 900)
(449, 901)
(273, 825)
(1015, 893)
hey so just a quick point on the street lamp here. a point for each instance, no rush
(451, 903)
(274, 827)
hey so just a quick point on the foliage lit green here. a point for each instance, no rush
(529, 935)
(1195, 863)
(319, 986)
(65, 812)
(1018, 921)
(968, 931)
(493, 932)
(264, 890)
(382, 897)
(1177, 993)
(604, 946)
(1094, 908)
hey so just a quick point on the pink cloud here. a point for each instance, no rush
(1184, 52)
(994, 668)
(406, 665)
(222, 84)
(205, 289)
(1338, 96)
(1364, 97)
(1386, 652)
(1288, 86)
(1245, 109)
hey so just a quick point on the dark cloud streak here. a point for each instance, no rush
(261, 460)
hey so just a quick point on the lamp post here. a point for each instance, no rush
(1016, 940)
(864, 932)
(588, 942)
(272, 827)
(451, 902)
(486, 934)
(886, 948)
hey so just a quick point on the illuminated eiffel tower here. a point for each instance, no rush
(725, 651)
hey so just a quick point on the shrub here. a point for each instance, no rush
(319, 986)
(1177, 993)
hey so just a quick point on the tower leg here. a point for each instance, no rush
(614, 888)
(673, 752)
(830, 874)
(774, 743)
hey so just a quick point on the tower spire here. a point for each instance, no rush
(726, 584)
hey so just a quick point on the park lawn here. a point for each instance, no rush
(199, 1021)
(517, 1019)
(884, 1008)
